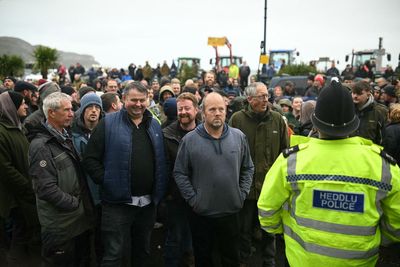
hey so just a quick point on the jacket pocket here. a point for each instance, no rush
(62, 161)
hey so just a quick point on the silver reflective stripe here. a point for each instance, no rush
(285, 206)
(291, 164)
(387, 179)
(320, 225)
(388, 228)
(264, 213)
(385, 241)
(329, 251)
(291, 170)
(336, 228)
(340, 178)
(272, 227)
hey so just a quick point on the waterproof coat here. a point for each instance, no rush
(63, 201)
(267, 136)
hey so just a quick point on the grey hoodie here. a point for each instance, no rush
(214, 175)
(8, 110)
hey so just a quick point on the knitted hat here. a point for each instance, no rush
(90, 99)
(170, 108)
(389, 90)
(16, 98)
(21, 86)
(10, 78)
(334, 112)
(68, 90)
(46, 89)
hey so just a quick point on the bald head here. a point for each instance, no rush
(214, 111)
(212, 97)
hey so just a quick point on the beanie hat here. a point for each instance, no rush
(170, 108)
(10, 78)
(389, 90)
(21, 86)
(90, 99)
(334, 112)
(16, 99)
(68, 90)
(319, 78)
(46, 89)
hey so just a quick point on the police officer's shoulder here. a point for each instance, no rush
(293, 149)
(378, 150)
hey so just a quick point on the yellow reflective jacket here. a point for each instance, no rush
(336, 201)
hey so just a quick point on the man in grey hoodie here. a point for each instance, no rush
(213, 171)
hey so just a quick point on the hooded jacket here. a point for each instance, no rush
(267, 136)
(15, 183)
(214, 175)
(80, 138)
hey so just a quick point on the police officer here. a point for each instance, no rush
(333, 210)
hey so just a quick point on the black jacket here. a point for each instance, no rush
(391, 140)
(173, 135)
(63, 201)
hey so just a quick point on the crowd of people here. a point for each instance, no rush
(92, 161)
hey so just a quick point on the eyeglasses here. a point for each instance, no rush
(261, 97)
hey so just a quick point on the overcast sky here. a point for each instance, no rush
(119, 32)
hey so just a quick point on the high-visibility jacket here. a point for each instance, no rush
(336, 201)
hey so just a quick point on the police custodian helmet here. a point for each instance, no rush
(335, 112)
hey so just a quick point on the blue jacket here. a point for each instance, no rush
(108, 155)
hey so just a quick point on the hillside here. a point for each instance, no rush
(16, 46)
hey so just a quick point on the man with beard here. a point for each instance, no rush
(179, 239)
(213, 171)
(9, 83)
(209, 83)
(372, 115)
(26, 90)
(82, 128)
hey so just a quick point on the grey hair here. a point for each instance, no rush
(251, 90)
(53, 101)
